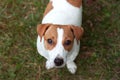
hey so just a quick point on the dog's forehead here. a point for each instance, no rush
(52, 30)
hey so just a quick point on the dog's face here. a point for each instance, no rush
(59, 41)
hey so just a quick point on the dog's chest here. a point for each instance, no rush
(63, 13)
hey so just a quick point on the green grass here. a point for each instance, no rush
(99, 58)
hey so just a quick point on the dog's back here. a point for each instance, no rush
(64, 12)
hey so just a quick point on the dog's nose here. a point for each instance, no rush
(58, 61)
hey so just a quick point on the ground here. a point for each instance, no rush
(99, 57)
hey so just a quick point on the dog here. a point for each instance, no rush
(60, 33)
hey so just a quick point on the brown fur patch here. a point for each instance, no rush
(48, 8)
(76, 3)
(51, 33)
(68, 35)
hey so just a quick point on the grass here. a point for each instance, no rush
(99, 58)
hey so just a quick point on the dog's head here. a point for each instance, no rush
(59, 41)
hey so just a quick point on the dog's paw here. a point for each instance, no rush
(49, 65)
(72, 67)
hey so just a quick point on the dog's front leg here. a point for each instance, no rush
(71, 66)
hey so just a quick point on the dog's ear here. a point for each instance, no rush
(77, 31)
(41, 29)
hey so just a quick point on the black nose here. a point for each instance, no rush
(58, 61)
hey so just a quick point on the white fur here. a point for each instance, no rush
(64, 13)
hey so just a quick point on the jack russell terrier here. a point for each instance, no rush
(60, 33)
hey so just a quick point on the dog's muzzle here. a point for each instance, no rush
(58, 61)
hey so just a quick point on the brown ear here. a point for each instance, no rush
(41, 29)
(77, 31)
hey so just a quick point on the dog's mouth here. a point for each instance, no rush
(60, 66)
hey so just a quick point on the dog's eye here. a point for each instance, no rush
(67, 42)
(50, 41)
